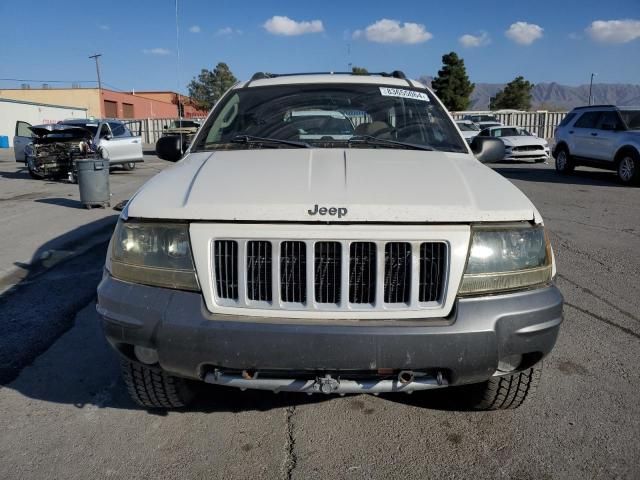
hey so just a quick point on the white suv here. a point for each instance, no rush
(383, 259)
(601, 136)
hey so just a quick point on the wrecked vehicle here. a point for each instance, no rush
(54, 149)
(175, 139)
(112, 140)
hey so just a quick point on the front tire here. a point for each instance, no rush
(129, 166)
(153, 388)
(564, 163)
(629, 168)
(506, 392)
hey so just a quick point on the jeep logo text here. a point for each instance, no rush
(317, 210)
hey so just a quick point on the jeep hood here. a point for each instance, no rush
(374, 185)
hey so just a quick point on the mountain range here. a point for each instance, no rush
(556, 97)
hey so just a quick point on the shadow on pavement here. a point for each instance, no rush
(40, 302)
(63, 202)
(547, 175)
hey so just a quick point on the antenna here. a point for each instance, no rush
(349, 57)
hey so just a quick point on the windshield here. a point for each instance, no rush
(468, 127)
(91, 126)
(184, 124)
(509, 132)
(631, 119)
(329, 116)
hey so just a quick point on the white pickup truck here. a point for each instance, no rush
(383, 259)
(113, 137)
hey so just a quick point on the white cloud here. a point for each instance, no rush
(156, 51)
(104, 27)
(574, 36)
(195, 29)
(278, 25)
(524, 33)
(614, 31)
(392, 31)
(469, 40)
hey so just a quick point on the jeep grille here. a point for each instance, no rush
(313, 274)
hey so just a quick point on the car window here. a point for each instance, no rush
(588, 120)
(22, 130)
(328, 115)
(631, 118)
(567, 119)
(611, 119)
(104, 130)
(119, 130)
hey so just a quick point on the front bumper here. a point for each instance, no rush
(464, 347)
(528, 155)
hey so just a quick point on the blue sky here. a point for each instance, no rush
(547, 40)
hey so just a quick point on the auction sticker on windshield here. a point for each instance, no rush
(400, 92)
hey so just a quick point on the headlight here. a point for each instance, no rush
(153, 254)
(503, 259)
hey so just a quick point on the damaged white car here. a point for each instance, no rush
(49, 151)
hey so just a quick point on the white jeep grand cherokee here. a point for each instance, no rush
(283, 254)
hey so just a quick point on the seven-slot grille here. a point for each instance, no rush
(329, 274)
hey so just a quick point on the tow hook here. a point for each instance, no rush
(326, 384)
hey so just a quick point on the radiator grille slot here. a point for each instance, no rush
(397, 272)
(362, 273)
(259, 285)
(226, 266)
(328, 272)
(293, 272)
(432, 269)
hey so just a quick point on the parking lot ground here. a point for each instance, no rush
(43, 221)
(67, 414)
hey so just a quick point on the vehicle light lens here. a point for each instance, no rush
(503, 259)
(156, 254)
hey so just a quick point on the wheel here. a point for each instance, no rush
(129, 166)
(629, 167)
(506, 392)
(153, 388)
(33, 172)
(564, 162)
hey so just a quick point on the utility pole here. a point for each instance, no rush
(95, 57)
(591, 87)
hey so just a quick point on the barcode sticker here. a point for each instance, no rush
(403, 93)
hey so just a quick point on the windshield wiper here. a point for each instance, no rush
(371, 140)
(251, 139)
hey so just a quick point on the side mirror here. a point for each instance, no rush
(164, 128)
(107, 137)
(487, 149)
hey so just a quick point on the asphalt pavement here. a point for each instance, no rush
(64, 412)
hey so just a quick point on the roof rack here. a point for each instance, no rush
(262, 75)
(594, 106)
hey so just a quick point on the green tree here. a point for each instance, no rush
(515, 95)
(452, 84)
(359, 71)
(210, 85)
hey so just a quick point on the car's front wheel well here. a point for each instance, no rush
(625, 150)
(559, 146)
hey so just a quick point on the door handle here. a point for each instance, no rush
(136, 141)
(594, 134)
(570, 131)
